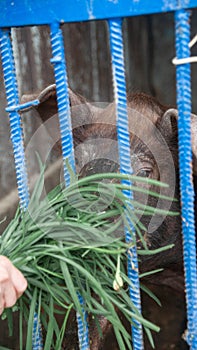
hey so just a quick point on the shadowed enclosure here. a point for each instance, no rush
(103, 54)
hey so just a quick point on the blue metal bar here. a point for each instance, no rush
(15, 123)
(23, 106)
(67, 140)
(118, 71)
(37, 341)
(83, 331)
(16, 137)
(35, 12)
(60, 71)
(185, 159)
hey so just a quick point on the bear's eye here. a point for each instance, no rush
(144, 172)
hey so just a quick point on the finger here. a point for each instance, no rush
(1, 310)
(9, 295)
(1, 299)
(8, 272)
(4, 274)
(4, 261)
(2, 303)
(19, 281)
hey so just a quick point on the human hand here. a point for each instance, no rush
(12, 283)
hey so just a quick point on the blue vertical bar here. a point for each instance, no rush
(37, 340)
(67, 140)
(60, 71)
(15, 123)
(17, 141)
(83, 334)
(118, 72)
(182, 28)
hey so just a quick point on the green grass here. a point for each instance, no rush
(69, 243)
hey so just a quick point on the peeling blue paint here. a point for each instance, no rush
(34, 11)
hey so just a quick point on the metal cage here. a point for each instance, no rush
(33, 12)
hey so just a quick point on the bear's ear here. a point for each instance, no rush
(47, 106)
(169, 125)
(82, 113)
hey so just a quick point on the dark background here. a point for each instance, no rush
(149, 49)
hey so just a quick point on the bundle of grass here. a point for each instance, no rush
(71, 243)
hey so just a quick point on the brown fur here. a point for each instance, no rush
(152, 131)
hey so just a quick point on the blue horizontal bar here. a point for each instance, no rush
(23, 13)
(23, 106)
